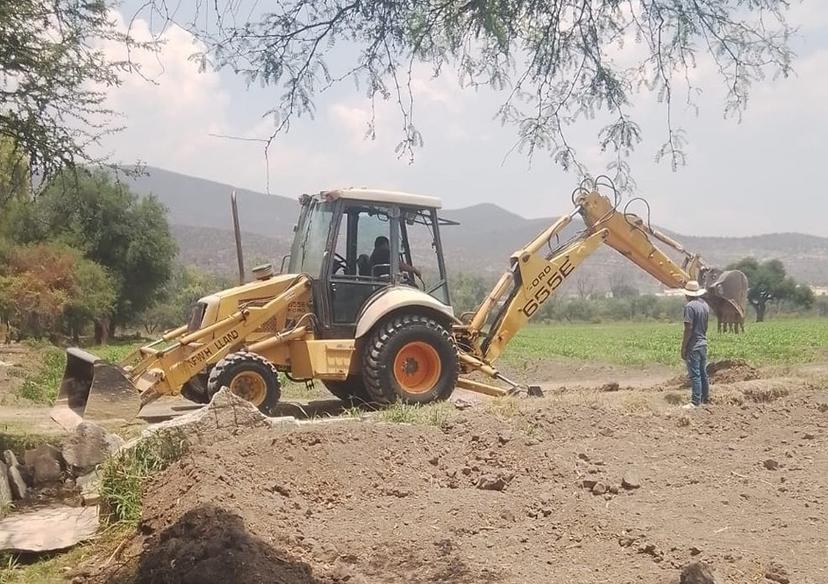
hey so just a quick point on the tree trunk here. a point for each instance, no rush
(102, 331)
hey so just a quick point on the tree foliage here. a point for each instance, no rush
(14, 173)
(48, 287)
(111, 226)
(53, 80)
(769, 283)
(557, 62)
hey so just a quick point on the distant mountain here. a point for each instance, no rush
(197, 202)
(199, 211)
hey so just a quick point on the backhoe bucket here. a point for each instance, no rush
(93, 389)
(727, 295)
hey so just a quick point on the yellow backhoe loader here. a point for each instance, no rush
(352, 312)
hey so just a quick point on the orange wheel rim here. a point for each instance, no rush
(417, 367)
(249, 386)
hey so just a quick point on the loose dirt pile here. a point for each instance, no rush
(731, 371)
(722, 372)
(522, 492)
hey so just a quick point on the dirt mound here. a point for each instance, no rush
(725, 371)
(731, 371)
(507, 493)
(210, 545)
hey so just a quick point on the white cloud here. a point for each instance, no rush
(775, 149)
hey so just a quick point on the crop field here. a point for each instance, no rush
(776, 342)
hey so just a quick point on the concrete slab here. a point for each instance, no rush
(48, 528)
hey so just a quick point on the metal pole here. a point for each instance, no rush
(239, 255)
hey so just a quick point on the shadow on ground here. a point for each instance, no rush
(210, 545)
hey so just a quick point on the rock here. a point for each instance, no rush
(504, 438)
(771, 464)
(225, 411)
(10, 458)
(44, 464)
(694, 551)
(508, 515)
(630, 482)
(809, 436)
(462, 404)
(45, 449)
(614, 489)
(697, 573)
(5, 489)
(599, 489)
(89, 486)
(46, 470)
(583, 456)
(588, 483)
(823, 408)
(777, 573)
(491, 483)
(19, 488)
(611, 386)
(47, 529)
(625, 541)
(88, 446)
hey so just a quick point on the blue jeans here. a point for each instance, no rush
(697, 371)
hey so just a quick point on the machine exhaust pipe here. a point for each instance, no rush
(93, 389)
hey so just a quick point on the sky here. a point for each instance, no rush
(765, 174)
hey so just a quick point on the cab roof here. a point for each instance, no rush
(383, 196)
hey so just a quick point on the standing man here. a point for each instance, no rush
(694, 343)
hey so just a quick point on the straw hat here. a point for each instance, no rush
(692, 288)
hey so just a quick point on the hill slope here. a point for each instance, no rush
(199, 211)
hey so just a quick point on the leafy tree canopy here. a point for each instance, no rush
(129, 236)
(45, 285)
(770, 283)
(53, 79)
(557, 62)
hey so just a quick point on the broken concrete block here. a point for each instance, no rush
(19, 488)
(225, 411)
(88, 446)
(10, 458)
(47, 529)
(5, 489)
(89, 486)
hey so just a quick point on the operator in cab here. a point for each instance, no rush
(381, 259)
(694, 343)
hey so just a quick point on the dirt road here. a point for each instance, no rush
(579, 487)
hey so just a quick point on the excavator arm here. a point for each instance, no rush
(537, 271)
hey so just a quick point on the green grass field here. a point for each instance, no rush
(776, 342)
(783, 341)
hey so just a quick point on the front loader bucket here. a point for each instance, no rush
(93, 389)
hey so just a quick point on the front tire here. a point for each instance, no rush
(411, 358)
(249, 376)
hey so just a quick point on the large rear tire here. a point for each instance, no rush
(411, 358)
(249, 376)
(351, 390)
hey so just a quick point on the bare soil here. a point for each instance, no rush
(581, 487)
